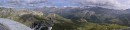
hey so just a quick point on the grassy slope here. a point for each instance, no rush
(28, 17)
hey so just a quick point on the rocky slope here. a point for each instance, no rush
(97, 15)
(69, 18)
(29, 17)
(26, 17)
(91, 14)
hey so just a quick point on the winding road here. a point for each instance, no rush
(7, 24)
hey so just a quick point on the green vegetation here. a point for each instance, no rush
(86, 26)
(70, 25)
(85, 22)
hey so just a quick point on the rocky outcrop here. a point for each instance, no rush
(27, 17)
(125, 28)
(12, 25)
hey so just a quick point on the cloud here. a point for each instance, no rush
(22, 3)
(112, 4)
(26, 1)
(37, 3)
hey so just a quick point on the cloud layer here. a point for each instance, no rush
(35, 3)
(113, 4)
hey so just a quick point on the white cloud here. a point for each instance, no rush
(25, 1)
(113, 4)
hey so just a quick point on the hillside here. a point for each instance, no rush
(91, 14)
(97, 15)
(62, 21)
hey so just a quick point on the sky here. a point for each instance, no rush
(36, 3)
(112, 4)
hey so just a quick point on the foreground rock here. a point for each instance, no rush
(13, 25)
(33, 19)
(3, 27)
(126, 28)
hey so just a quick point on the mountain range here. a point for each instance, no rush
(76, 17)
